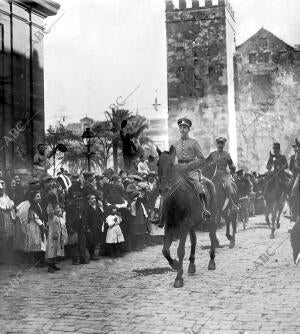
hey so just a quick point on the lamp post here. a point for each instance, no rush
(88, 141)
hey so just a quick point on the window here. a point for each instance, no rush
(252, 58)
(266, 57)
(263, 43)
(260, 57)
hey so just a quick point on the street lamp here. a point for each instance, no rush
(88, 137)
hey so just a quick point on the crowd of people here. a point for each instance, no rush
(76, 216)
(87, 215)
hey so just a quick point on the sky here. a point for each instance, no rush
(98, 50)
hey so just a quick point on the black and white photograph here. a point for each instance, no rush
(149, 166)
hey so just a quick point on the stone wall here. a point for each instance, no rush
(267, 98)
(200, 47)
(21, 81)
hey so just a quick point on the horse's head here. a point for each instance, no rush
(165, 165)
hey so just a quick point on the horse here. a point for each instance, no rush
(275, 197)
(226, 208)
(181, 213)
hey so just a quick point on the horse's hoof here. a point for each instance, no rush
(272, 236)
(278, 226)
(192, 268)
(175, 265)
(178, 283)
(211, 265)
(232, 243)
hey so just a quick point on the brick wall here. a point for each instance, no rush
(200, 47)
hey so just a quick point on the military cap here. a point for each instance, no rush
(151, 174)
(276, 145)
(184, 121)
(87, 175)
(240, 172)
(221, 140)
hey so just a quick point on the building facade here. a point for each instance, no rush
(267, 81)
(22, 80)
(200, 52)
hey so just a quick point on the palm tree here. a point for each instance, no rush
(115, 117)
(104, 141)
(60, 134)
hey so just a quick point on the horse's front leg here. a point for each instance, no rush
(267, 213)
(227, 221)
(180, 253)
(193, 238)
(280, 209)
(234, 223)
(168, 239)
(273, 217)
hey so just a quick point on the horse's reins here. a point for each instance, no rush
(175, 186)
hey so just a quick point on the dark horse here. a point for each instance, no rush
(181, 212)
(275, 192)
(226, 208)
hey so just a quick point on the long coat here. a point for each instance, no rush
(94, 220)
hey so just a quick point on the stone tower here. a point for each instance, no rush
(200, 53)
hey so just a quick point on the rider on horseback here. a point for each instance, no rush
(278, 162)
(191, 159)
(221, 159)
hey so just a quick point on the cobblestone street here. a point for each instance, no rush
(135, 293)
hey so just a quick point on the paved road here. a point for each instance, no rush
(249, 292)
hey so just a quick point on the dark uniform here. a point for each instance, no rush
(277, 163)
(190, 157)
(220, 161)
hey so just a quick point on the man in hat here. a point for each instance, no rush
(220, 160)
(190, 156)
(277, 161)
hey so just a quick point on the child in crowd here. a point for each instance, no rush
(61, 214)
(55, 247)
(114, 236)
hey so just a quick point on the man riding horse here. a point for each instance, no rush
(187, 199)
(277, 161)
(220, 159)
(276, 186)
(191, 159)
